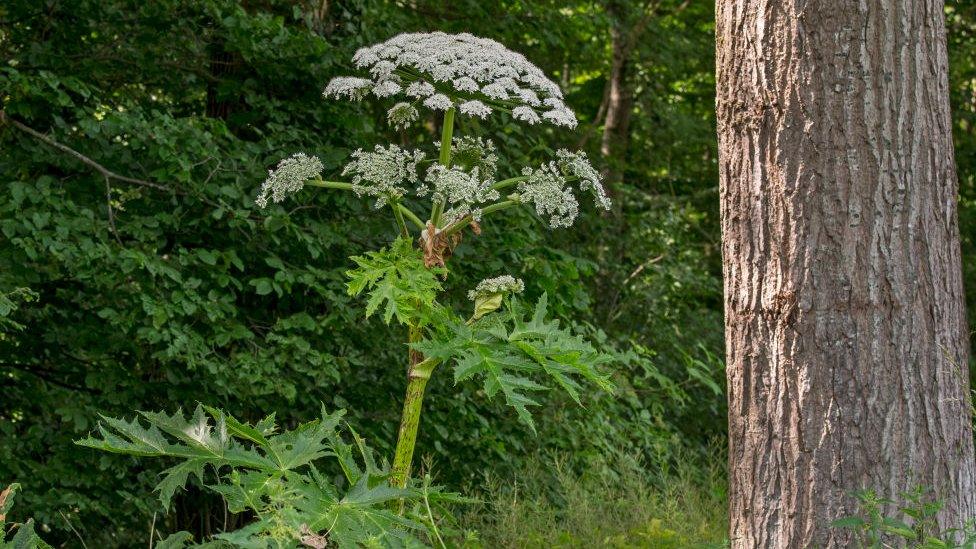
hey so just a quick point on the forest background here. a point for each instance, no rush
(169, 286)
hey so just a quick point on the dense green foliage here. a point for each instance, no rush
(167, 286)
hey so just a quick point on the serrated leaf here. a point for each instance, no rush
(176, 540)
(396, 280)
(512, 354)
(175, 477)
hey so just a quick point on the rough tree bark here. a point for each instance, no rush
(619, 100)
(846, 336)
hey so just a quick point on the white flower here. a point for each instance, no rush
(349, 86)
(561, 117)
(420, 89)
(529, 97)
(365, 57)
(402, 115)
(578, 165)
(504, 284)
(546, 189)
(526, 114)
(386, 88)
(383, 70)
(466, 84)
(474, 108)
(438, 102)
(383, 172)
(495, 90)
(467, 64)
(458, 188)
(288, 177)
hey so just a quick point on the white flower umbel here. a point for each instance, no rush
(526, 114)
(350, 87)
(461, 190)
(402, 115)
(438, 102)
(547, 190)
(474, 108)
(577, 165)
(383, 173)
(288, 177)
(478, 74)
(505, 284)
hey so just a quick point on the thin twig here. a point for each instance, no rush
(81, 539)
(64, 148)
(44, 374)
(4, 118)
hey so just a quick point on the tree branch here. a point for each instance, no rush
(107, 173)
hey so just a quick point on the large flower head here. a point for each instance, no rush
(443, 71)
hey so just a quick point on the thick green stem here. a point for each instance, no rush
(407, 438)
(505, 183)
(329, 184)
(447, 136)
(412, 217)
(417, 377)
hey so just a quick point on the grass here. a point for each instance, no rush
(617, 503)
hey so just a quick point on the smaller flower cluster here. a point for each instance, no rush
(384, 172)
(461, 190)
(505, 284)
(577, 165)
(474, 152)
(288, 177)
(547, 188)
(402, 115)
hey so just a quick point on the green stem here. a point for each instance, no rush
(505, 183)
(412, 217)
(466, 220)
(329, 184)
(398, 215)
(447, 136)
(417, 377)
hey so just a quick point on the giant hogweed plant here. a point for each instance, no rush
(512, 348)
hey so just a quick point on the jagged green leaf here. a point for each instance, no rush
(395, 280)
(513, 350)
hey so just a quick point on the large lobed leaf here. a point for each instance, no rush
(396, 279)
(513, 352)
(274, 476)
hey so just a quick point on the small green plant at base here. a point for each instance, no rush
(512, 348)
(916, 527)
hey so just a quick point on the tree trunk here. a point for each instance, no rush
(846, 336)
(619, 101)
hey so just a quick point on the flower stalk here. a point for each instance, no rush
(447, 136)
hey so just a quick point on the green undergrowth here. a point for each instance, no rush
(618, 502)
